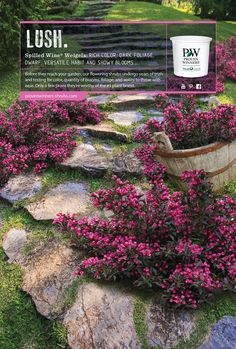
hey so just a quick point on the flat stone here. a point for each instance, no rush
(134, 100)
(21, 187)
(222, 335)
(86, 158)
(14, 242)
(167, 326)
(125, 118)
(104, 131)
(101, 317)
(47, 274)
(100, 99)
(155, 112)
(69, 197)
(127, 163)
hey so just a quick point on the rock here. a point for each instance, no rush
(223, 334)
(100, 99)
(125, 118)
(47, 274)
(127, 163)
(101, 317)
(134, 100)
(213, 102)
(86, 158)
(84, 134)
(69, 197)
(103, 131)
(167, 326)
(21, 187)
(107, 148)
(14, 242)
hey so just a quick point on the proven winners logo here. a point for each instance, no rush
(190, 59)
(190, 52)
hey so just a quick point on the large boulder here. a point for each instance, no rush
(21, 187)
(86, 158)
(101, 317)
(222, 335)
(166, 326)
(47, 274)
(68, 197)
(47, 270)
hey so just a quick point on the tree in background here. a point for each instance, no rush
(217, 9)
(11, 13)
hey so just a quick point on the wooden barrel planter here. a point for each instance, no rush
(217, 159)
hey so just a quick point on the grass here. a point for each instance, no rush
(9, 87)
(139, 314)
(229, 95)
(143, 11)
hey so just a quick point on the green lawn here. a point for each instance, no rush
(143, 11)
(9, 87)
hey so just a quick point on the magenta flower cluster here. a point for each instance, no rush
(226, 59)
(82, 113)
(187, 128)
(28, 140)
(183, 243)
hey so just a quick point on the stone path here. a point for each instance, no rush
(100, 316)
(117, 38)
(74, 197)
(97, 10)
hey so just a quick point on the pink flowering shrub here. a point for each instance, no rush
(187, 128)
(183, 243)
(27, 139)
(82, 113)
(226, 59)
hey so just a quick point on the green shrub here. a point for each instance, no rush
(11, 13)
